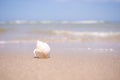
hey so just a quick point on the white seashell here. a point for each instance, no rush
(42, 50)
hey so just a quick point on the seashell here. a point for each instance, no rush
(42, 50)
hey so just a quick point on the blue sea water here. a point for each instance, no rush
(97, 36)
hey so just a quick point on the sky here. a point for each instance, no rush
(70, 10)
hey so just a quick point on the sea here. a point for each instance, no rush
(98, 36)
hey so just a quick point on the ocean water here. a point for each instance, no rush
(94, 36)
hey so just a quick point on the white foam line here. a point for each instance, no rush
(93, 49)
(101, 49)
(14, 42)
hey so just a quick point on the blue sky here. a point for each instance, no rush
(107, 10)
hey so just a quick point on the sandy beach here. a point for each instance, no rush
(83, 35)
(17, 63)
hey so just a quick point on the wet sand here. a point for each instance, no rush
(17, 63)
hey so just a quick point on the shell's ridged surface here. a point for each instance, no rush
(42, 50)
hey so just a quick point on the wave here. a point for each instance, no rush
(75, 33)
(89, 36)
(52, 22)
(88, 22)
(97, 34)
(62, 36)
(15, 41)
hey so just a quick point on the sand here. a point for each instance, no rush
(70, 66)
